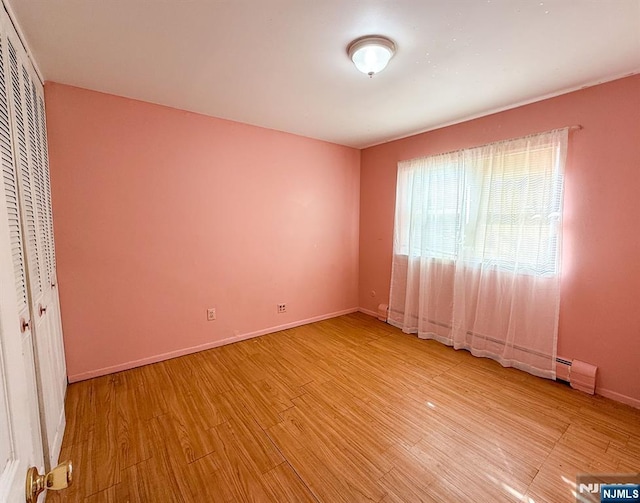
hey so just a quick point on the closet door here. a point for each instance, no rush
(29, 138)
(51, 297)
(20, 435)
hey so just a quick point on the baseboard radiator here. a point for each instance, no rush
(580, 375)
(383, 312)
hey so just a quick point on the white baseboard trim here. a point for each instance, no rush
(209, 345)
(618, 397)
(366, 311)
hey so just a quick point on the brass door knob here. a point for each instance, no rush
(24, 325)
(58, 478)
(42, 309)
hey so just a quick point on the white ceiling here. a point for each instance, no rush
(282, 64)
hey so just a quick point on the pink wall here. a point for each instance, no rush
(600, 306)
(160, 214)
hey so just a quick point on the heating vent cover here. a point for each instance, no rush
(581, 375)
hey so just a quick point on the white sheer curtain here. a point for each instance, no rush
(476, 251)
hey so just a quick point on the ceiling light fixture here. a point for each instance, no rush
(371, 54)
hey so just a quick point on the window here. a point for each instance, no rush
(499, 205)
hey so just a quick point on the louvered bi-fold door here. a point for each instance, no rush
(20, 433)
(28, 130)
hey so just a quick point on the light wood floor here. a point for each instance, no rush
(348, 409)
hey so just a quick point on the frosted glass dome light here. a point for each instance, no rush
(371, 54)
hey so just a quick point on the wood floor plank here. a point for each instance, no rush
(285, 486)
(342, 444)
(240, 471)
(103, 459)
(80, 411)
(408, 479)
(132, 424)
(115, 494)
(343, 410)
(206, 481)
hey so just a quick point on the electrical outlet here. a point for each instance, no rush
(211, 314)
(282, 308)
